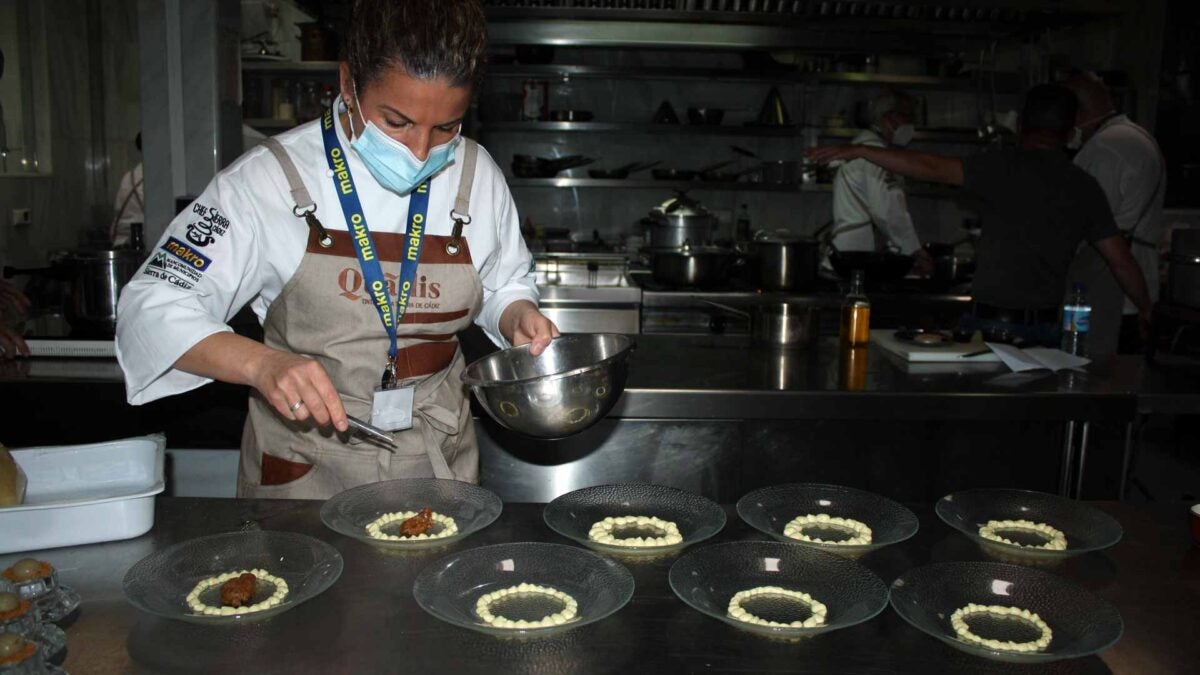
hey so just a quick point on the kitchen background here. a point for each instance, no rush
(91, 93)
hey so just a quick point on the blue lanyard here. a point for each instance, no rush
(364, 245)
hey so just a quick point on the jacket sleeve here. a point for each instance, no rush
(507, 272)
(889, 209)
(203, 271)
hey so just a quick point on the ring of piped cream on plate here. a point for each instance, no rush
(483, 607)
(818, 609)
(449, 528)
(604, 532)
(958, 621)
(860, 533)
(262, 577)
(1055, 539)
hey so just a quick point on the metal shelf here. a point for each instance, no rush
(313, 67)
(631, 127)
(1004, 80)
(647, 184)
(922, 190)
(930, 135)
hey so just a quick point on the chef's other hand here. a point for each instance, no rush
(922, 263)
(12, 344)
(825, 154)
(287, 379)
(11, 298)
(522, 323)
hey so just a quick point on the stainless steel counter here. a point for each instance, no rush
(368, 621)
(725, 377)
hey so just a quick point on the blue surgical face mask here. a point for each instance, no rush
(391, 162)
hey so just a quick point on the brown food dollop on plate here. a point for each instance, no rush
(239, 590)
(418, 524)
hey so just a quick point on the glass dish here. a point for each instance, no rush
(707, 578)
(54, 600)
(472, 508)
(160, 582)
(1080, 622)
(449, 588)
(770, 509)
(1086, 528)
(573, 514)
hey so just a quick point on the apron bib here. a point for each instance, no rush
(325, 313)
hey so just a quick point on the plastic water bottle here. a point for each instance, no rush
(1076, 319)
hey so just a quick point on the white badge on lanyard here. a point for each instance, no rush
(392, 409)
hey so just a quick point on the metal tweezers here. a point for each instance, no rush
(372, 432)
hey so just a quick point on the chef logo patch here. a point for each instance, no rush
(187, 254)
(208, 227)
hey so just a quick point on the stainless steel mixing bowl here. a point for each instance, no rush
(566, 389)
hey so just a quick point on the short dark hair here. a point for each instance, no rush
(428, 38)
(1049, 109)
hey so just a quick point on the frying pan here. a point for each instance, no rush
(529, 166)
(688, 174)
(622, 172)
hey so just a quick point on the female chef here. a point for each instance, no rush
(363, 241)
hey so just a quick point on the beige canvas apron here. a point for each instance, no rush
(324, 312)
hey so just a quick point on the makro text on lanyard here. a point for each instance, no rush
(364, 244)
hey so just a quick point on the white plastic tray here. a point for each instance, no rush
(82, 494)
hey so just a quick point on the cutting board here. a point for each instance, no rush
(886, 340)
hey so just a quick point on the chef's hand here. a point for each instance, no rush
(522, 323)
(285, 379)
(11, 298)
(12, 344)
(825, 154)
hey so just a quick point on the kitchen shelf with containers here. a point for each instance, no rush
(279, 95)
(914, 189)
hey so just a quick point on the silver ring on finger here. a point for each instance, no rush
(296, 406)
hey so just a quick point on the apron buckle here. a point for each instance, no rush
(310, 218)
(454, 246)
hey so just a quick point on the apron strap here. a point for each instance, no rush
(303, 204)
(461, 213)
(300, 196)
(462, 203)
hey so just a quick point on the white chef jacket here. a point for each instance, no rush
(866, 194)
(1125, 160)
(254, 243)
(130, 205)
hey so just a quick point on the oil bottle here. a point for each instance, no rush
(856, 314)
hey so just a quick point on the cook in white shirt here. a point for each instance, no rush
(1125, 159)
(869, 206)
(406, 86)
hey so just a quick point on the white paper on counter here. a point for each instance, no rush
(1036, 358)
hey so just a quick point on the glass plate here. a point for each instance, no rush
(573, 514)
(1086, 528)
(160, 582)
(770, 509)
(1081, 623)
(472, 508)
(707, 578)
(450, 587)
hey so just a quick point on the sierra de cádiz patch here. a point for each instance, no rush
(170, 270)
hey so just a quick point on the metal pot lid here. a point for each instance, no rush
(680, 206)
(781, 237)
(689, 249)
